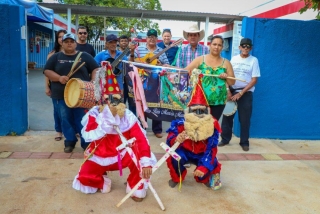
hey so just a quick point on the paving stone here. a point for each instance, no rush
(254, 156)
(5, 154)
(271, 157)
(77, 155)
(306, 157)
(222, 157)
(235, 157)
(60, 155)
(40, 155)
(316, 156)
(20, 155)
(288, 157)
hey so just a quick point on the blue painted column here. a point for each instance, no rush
(13, 81)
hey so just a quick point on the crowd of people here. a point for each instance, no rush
(112, 136)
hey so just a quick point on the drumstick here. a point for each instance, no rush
(233, 78)
(70, 74)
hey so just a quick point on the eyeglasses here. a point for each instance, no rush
(246, 46)
(84, 33)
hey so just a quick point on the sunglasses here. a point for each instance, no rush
(84, 33)
(198, 111)
(246, 46)
(115, 101)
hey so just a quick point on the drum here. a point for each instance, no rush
(79, 94)
(230, 108)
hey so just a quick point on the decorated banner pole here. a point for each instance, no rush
(169, 152)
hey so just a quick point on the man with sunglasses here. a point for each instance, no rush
(82, 44)
(245, 66)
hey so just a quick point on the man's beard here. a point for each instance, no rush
(198, 128)
(118, 109)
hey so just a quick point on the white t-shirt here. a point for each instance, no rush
(245, 68)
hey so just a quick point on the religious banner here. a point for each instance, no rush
(166, 90)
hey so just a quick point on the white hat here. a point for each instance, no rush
(193, 29)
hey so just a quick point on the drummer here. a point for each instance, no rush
(214, 87)
(57, 68)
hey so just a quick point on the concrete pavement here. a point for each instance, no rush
(273, 177)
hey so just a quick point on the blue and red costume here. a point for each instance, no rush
(202, 153)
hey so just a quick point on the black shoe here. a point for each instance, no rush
(222, 144)
(245, 148)
(68, 149)
(172, 184)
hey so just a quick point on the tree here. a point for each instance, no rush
(95, 24)
(311, 4)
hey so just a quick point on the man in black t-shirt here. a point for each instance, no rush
(82, 44)
(56, 69)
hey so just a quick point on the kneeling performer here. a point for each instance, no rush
(198, 133)
(117, 141)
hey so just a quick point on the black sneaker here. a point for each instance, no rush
(245, 148)
(172, 184)
(222, 144)
(68, 149)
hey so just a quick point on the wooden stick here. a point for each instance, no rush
(70, 74)
(156, 66)
(156, 196)
(154, 168)
(233, 78)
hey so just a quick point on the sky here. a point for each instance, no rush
(232, 7)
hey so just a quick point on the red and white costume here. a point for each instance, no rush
(99, 129)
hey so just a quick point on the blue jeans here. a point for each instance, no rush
(56, 117)
(70, 123)
(244, 115)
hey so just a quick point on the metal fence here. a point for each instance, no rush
(38, 52)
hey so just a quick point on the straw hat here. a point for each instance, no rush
(193, 29)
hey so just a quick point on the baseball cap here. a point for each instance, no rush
(111, 37)
(152, 32)
(68, 36)
(246, 41)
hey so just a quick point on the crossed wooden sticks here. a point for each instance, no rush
(169, 152)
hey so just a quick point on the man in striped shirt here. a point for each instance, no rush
(193, 49)
(140, 52)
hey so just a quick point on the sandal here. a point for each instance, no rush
(58, 138)
(136, 199)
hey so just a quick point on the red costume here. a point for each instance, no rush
(104, 154)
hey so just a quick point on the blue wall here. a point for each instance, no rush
(13, 81)
(286, 100)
